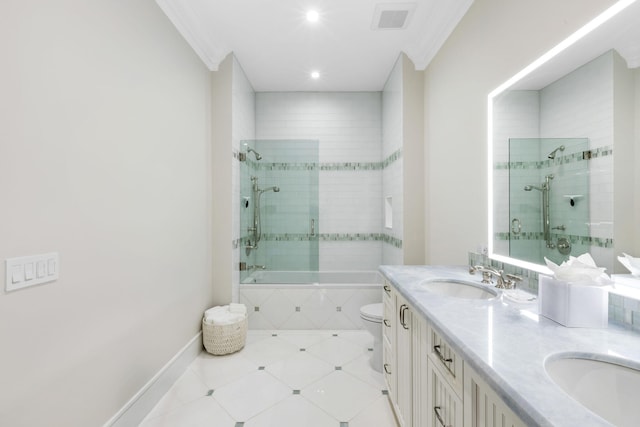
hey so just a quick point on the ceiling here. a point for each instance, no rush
(278, 49)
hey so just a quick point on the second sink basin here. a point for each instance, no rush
(604, 385)
(459, 289)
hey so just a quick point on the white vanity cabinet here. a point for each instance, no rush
(483, 407)
(404, 358)
(429, 383)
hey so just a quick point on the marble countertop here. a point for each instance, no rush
(507, 343)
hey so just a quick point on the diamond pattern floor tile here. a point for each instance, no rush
(271, 382)
(269, 351)
(251, 395)
(217, 371)
(300, 370)
(296, 411)
(336, 351)
(378, 413)
(341, 395)
(361, 369)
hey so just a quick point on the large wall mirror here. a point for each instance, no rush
(554, 131)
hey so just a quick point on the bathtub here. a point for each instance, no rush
(309, 299)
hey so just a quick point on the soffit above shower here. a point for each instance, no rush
(354, 45)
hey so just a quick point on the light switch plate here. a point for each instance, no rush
(22, 272)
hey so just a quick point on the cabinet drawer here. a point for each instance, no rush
(445, 359)
(445, 405)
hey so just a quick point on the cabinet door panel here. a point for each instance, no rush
(404, 361)
(483, 407)
(445, 405)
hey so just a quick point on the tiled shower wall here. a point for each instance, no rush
(578, 105)
(348, 128)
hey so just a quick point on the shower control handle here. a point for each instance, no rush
(313, 227)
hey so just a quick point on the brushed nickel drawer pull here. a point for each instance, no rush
(387, 289)
(386, 323)
(404, 323)
(436, 409)
(445, 361)
(386, 368)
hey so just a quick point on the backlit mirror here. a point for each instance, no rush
(553, 130)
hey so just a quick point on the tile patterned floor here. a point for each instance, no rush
(313, 378)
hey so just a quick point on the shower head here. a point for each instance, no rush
(552, 155)
(255, 153)
(274, 189)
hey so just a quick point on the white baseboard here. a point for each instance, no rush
(134, 411)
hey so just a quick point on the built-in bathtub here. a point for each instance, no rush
(309, 299)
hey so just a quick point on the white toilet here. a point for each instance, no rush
(371, 315)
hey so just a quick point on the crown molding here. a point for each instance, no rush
(181, 18)
(442, 22)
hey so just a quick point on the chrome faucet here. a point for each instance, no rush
(504, 280)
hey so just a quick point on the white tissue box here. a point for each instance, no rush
(573, 305)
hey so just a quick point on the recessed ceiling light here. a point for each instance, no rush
(315, 75)
(313, 16)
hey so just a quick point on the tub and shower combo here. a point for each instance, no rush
(280, 280)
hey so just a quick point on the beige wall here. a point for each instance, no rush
(104, 158)
(413, 168)
(221, 141)
(495, 39)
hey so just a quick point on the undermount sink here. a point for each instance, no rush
(459, 289)
(605, 385)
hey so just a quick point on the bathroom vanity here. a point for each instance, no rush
(459, 358)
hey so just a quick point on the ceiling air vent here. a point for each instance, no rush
(392, 16)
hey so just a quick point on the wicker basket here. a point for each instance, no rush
(224, 339)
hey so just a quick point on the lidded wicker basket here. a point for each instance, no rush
(224, 339)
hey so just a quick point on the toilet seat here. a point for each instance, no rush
(371, 312)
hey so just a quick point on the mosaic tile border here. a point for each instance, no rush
(331, 166)
(335, 237)
(560, 160)
(601, 242)
(324, 237)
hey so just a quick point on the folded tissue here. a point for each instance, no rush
(225, 314)
(631, 263)
(576, 296)
(582, 269)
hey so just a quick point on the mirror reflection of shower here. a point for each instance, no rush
(552, 155)
(258, 156)
(243, 156)
(548, 186)
(256, 228)
(545, 188)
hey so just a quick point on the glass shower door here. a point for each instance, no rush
(287, 218)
